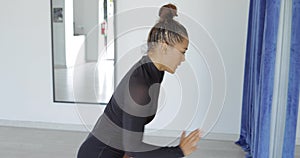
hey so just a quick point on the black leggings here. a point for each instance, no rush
(94, 148)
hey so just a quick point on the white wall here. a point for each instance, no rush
(212, 25)
(26, 65)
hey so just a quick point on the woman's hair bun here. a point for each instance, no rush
(167, 12)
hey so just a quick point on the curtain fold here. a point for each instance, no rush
(293, 85)
(259, 77)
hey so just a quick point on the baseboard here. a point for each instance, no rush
(60, 66)
(177, 133)
(222, 136)
(44, 125)
(297, 141)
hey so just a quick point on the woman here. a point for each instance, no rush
(119, 131)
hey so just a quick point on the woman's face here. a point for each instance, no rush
(174, 55)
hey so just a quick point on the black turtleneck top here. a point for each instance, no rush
(131, 107)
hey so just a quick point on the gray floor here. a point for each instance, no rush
(39, 143)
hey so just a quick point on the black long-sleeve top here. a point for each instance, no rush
(132, 106)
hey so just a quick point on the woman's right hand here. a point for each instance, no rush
(188, 144)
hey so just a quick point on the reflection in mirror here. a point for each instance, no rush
(83, 59)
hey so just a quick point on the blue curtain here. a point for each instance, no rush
(259, 77)
(293, 85)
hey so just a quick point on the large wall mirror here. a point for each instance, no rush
(83, 56)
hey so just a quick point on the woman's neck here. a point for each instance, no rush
(155, 59)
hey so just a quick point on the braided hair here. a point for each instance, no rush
(167, 30)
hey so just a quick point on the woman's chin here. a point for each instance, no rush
(171, 71)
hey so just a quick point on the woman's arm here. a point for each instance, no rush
(126, 156)
(133, 141)
(135, 147)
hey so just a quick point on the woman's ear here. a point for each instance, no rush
(164, 47)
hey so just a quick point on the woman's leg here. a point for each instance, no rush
(93, 148)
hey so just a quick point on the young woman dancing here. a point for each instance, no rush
(119, 131)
